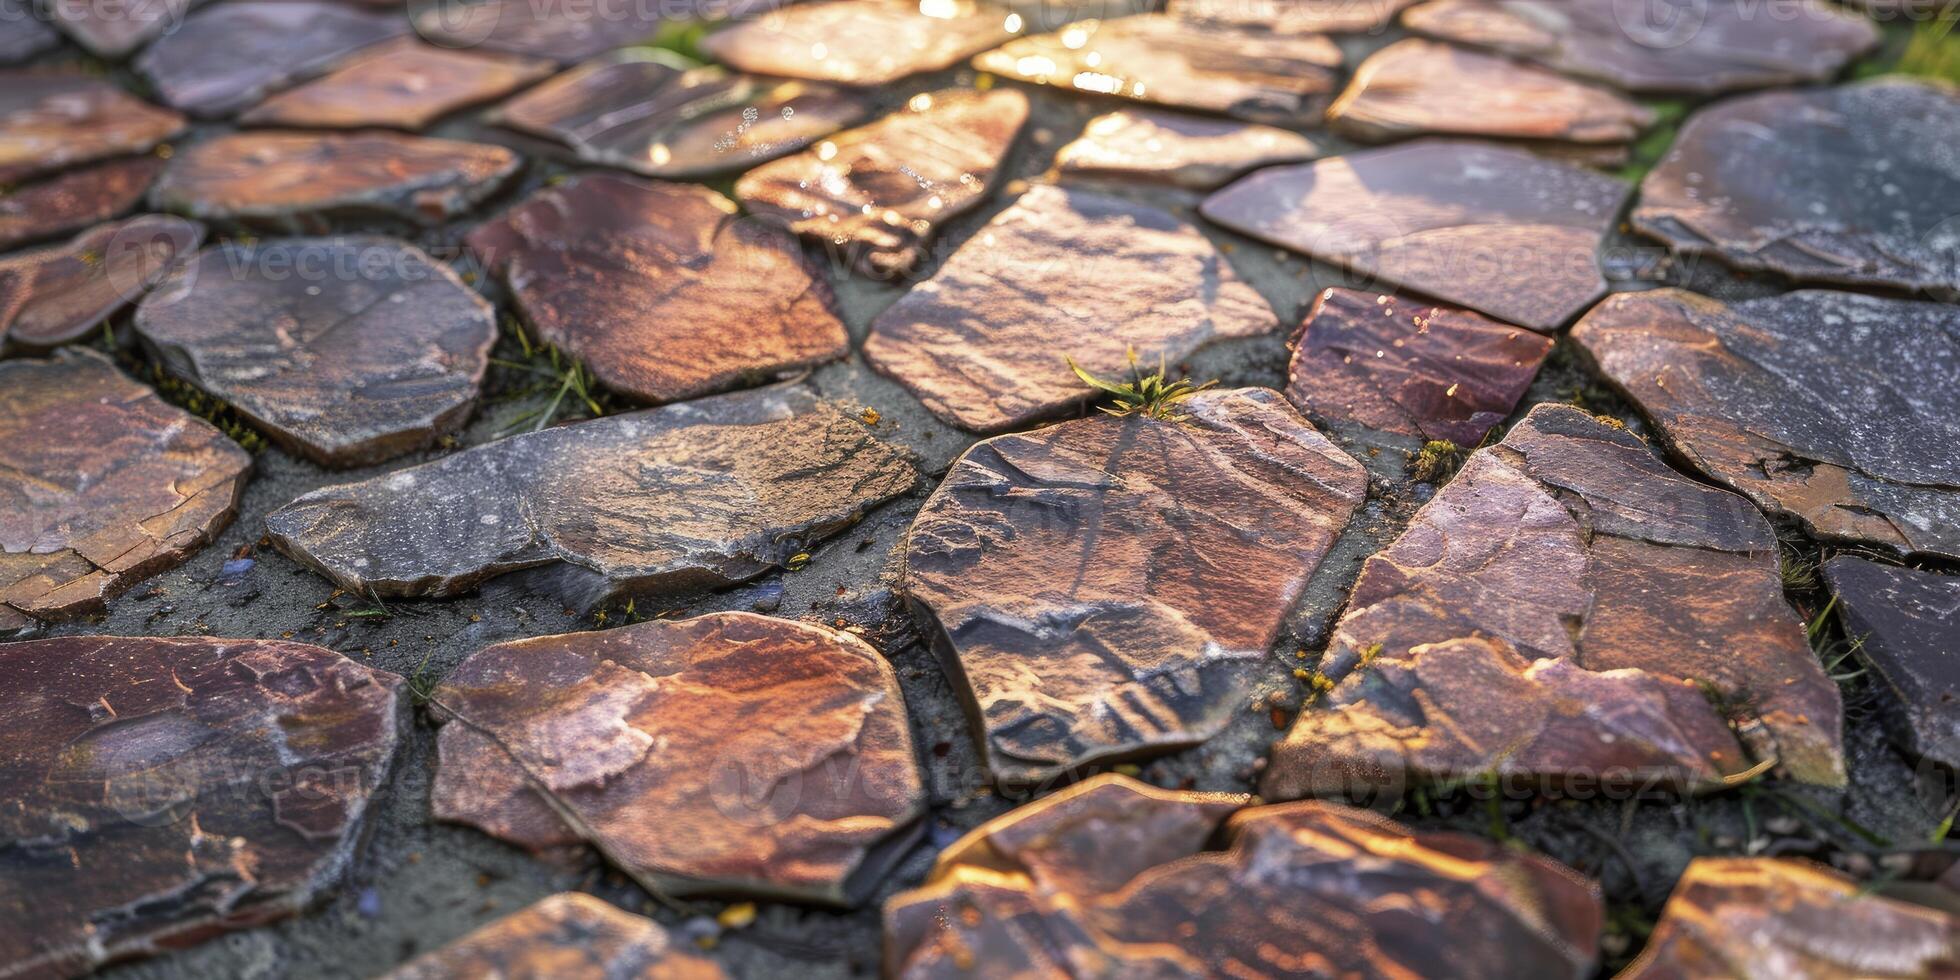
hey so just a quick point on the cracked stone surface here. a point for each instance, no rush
(51, 120)
(402, 84)
(1060, 272)
(22, 35)
(1798, 402)
(1212, 67)
(1491, 228)
(1409, 368)
(1550, 616)
(567, 936)
(1908, 620)
(1677, 49)
(377, 352)
(1294, 16)
(1851, 185)
(1761, 916)
(297, 182)
(703, 493)
(859, 42)
(75, 200)
(729, 753)
(105, 485)
(1416, 87)
(115, 30)
(1117, 874)
(228, 56)
(633, 110)
(660, 288)
(1106, 588)
(162, 790)
(1183, 151)
(561, 32)
(61, 294)
(880, 193)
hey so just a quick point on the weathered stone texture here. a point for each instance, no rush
(859, 42)
(403, 84)
(228, 56)
(75, 200)
(1907, 626)
(52, 120)
(59, 295)
(1184, 151)
(1294, 16)
(568, 936)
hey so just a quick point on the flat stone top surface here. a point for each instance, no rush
(115, 30)
(402, 84)
(562, 32)
(75, 199)
(1186, 151)
(567, 936)
(227, 56)
(50, 120)
(860, 42)
(1906, 622)
(61, 294)
(1293, 16)
(1415, 87)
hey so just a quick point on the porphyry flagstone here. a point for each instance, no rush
(660, 288)
(729, 753)
(634, 110)
(61, 294)
(568, 936)
(105, 485)
(1294, 16)
(881, 192)
(1416, 87)
(703, 493)
(1553, 615)
(1760, 916)
(1852, 185)
(1171, 148)
(75, 200)
(346, 351)
(1907, 626)
(298, 181)
(562, 31)
(228, 56)
(402, 84)
(1408, 368)
(1211, 67)
(1491, 228)
(1118, 874)
(161, 791)
(23, 35)
(1060, 273)
(1840, 409)
(113, 30)
(860, 42)
(53, 120)
(1107, 588)
(1672, 48)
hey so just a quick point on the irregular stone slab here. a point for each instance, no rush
(1434, 372)
(161, 791)
(1907, 620)
(1676, 49)
(228, 56)
(659, 288)
(1107, 588)
(1781, 917)
(562, 32)
(1211, 67)
(634, 111)
(859, 42)
(1415, 87)
(1546, 617)
(1115, 873)
(1294, 16)
(105, 485)
(402, 84)
(729, 753)
(881, 192)
(1182, 151)
(75, 200)
(23, 35)
(347, 351)
(568, 936)
(61, 294)
(1848, 185)
(1060, 273)
(299, 181)
(1494, 229)
(50, 121)
(114, 30)
(710, 492)
(1806, 403)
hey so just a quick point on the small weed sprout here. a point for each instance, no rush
(1148, 395)
(1437, 461)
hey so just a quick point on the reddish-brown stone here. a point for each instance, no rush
(859, 42)
(160, 791)
(53, 120)
(1548, 617)
(1435, 372)
(880, 193)
(61, 294)
(1113, 877)
(568, 936)
(403, 84)
(1212, 67)
(729, 753)
(1494, 229)
(1184, 151)
(561, 30)
(1106, 588)
(660, 288)
(1061, 273)
(113, 30)
(228, 56)
(1294, 16)
(1905, 621)
(75, 200)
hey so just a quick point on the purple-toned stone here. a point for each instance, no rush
(860, 42)
(568, 936)
(228, 56)
(113, 30)
(564, 31)
(61, 294)
(1192, 152)
(1906, 623)
(402, 84)
(1293, 16)
(51, 120)
(75, 200)
(23, 35)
